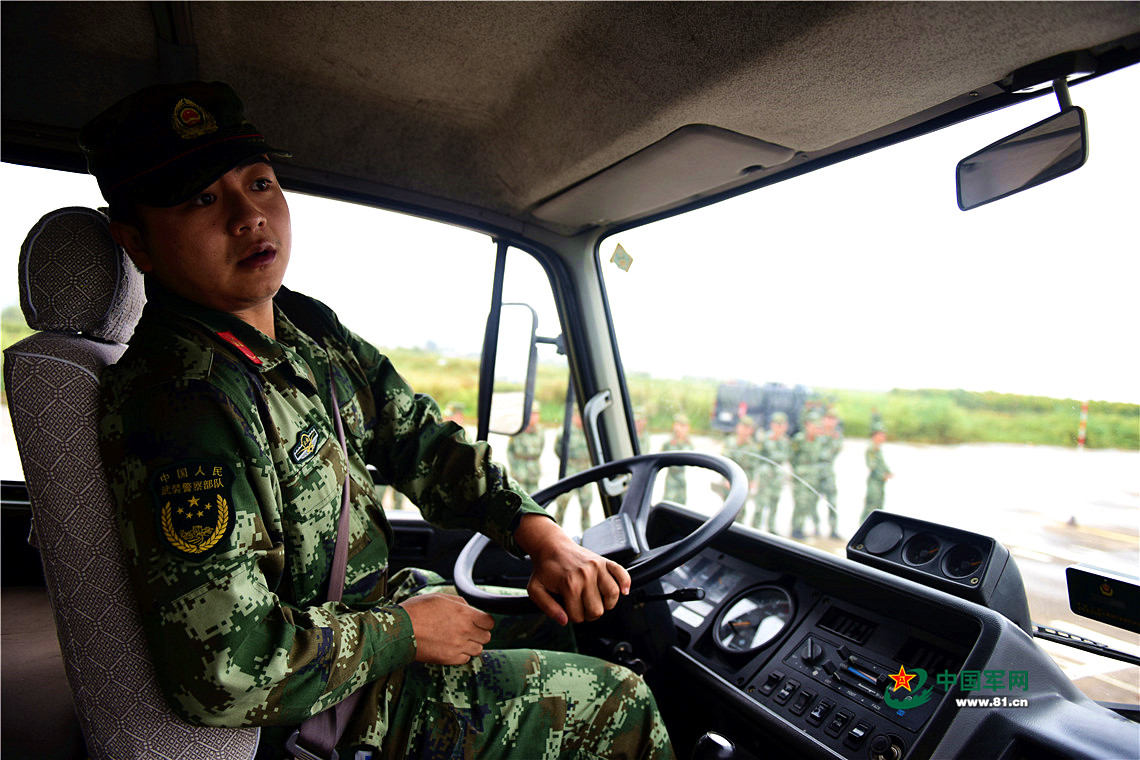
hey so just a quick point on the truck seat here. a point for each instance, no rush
(81, 291)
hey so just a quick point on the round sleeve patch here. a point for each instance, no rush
(194, 507)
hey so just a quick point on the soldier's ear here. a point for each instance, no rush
(130, 238)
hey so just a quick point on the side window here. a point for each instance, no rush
(418, 290)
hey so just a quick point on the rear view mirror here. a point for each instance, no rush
(1047, 150)
(516, 359)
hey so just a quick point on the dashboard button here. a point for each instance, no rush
(784, 694)
(819, 712)
(839, 722)
(856, 736)
(770, 685)
(801, 702)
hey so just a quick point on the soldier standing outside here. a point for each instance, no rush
(877, 472)
(805, 465)
(524, 453)
(676, 488)
(742, 449)
(831, 443)
(237, 430)
(641, 422)
(578, 459)
(776, 451)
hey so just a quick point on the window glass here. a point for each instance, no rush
(973, 339)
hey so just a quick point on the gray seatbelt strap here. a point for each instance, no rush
(317, 737)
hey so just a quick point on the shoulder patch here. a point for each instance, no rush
(194, 506)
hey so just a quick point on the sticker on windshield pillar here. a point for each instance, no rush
(621, 258)
(195, 512)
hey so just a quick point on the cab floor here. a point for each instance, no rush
(37, 717)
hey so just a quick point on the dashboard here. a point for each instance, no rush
(820, 663)
(794, 652)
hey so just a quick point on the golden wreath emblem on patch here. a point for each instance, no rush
(199, 538)
(190, 120)
(194, 507)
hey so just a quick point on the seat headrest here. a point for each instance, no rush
(75, 278)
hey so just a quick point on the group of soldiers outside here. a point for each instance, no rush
(770, 458)
(765, 458)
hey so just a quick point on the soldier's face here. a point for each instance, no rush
(226, 248)
(779, 429)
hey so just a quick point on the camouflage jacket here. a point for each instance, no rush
(526, 446)
(829, 448)
(776, 449)
(806, 453)
(876, 464)
(226, 467)
(744, 454)
(578, 454)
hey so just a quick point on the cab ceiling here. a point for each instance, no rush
(503, 106)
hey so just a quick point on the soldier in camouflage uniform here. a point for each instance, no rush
(676, 489)
(221, 434)
(831, 443)
(805, 464)
(578, 459)
(877, 472)
(776, 450)
(742, 449)
(641, 422)
(524, 452)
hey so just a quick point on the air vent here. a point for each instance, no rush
(849, 626)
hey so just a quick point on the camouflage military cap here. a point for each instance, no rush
(746, 420)
(780, 417)
(682, 419)
(165, 143)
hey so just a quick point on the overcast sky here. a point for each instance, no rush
(1034, 294)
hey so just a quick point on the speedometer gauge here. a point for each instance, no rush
(754, 620)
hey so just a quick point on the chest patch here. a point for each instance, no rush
(195, 510)
(308, 443)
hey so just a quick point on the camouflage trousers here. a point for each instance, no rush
(585, 499)
(767, 499)
(876, 488)
(806, 500)
(827, 490)
(676, 487)
(508, 703)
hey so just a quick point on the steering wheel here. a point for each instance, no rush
(622, 536)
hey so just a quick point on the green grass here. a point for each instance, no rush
(920, 416)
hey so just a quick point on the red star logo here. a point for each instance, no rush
(902, 679)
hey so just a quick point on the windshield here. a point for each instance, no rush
(994, 351)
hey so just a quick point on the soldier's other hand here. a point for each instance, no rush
(448, 631)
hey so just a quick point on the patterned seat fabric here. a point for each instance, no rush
(79, 288)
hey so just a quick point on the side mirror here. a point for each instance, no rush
(1039, 153)
(512, 391)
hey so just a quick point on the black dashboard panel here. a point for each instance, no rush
(821, 681)
(827, 669)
